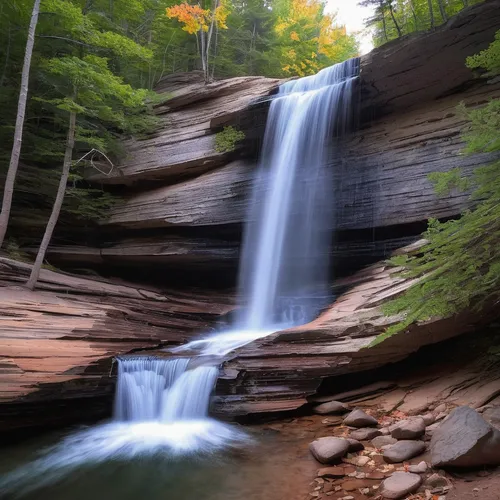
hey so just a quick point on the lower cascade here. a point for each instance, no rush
(162, 404)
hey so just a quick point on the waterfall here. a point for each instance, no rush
(161, 405)
(286, 247)
(284, 269)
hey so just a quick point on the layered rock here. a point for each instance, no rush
(409, 128)
(278, 372)
(58, 342)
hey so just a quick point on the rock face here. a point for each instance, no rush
(278, 372)
(465, 439)
(57, 343)
(328, 450)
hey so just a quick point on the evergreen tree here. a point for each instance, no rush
(460, 266)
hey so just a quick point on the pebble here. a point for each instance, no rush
(329, 449)
(400, 484)
(403, 450)
(380, 441)
(365, 434)
(420, 468)
(428, 418)
(358, 418)
(409, 429)
(436, 481)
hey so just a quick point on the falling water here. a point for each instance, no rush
(161, 405)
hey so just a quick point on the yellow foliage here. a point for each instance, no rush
(194, 18)
(294, 36)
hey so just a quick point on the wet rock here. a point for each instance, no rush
(331, 408)
(420, 468)
(365, 434)
(381, 441)
(355, 445)
(358, 418)
(400, 484)
(333, 472)
(465, 439)
(403, 450)
(409, 429)
(328, 450)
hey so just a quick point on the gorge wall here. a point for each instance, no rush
(179, 224)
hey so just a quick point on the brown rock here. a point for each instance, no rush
(333, 472)
(409, 429)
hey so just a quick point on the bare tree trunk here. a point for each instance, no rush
(18, 133)
(394, 18)
(203, 53)
(56, 209)
(431, 12)
(209, 38)
(442, 11)
(414, 14)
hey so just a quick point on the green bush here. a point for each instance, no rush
(226, 140)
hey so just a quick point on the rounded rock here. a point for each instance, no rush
(400, 484)
(355, 445)
(328, 450)
(358, 418)
(409, 429)
(403, 450)
(331, 408)
(365, 434)
(381, 441)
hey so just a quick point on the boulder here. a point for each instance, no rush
(365, 434)
(328, 450)
(465, 439)
(400, 484)
(331, 408)
(409, 429)
(403, 450)
(381, 441)
(358, 418)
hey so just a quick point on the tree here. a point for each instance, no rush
(201, 22)
(18, 134)
(459, 268)
(309, 40)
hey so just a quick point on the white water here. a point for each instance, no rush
(161, 406)
(284, 272)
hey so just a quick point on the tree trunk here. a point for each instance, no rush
(442, 11)
(431, 12)
(384, 24)
(203, 53)
(56, 209)
(414, 14)
(18, 133)
(398, 29)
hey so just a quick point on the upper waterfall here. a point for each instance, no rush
(286, 247)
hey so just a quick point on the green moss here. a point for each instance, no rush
(226, 140)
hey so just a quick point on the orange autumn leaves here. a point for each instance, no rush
(194, 18)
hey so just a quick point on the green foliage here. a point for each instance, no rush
(394, 18)
(226, 140)
(460, 266)
(445, 182)
(487, 59)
